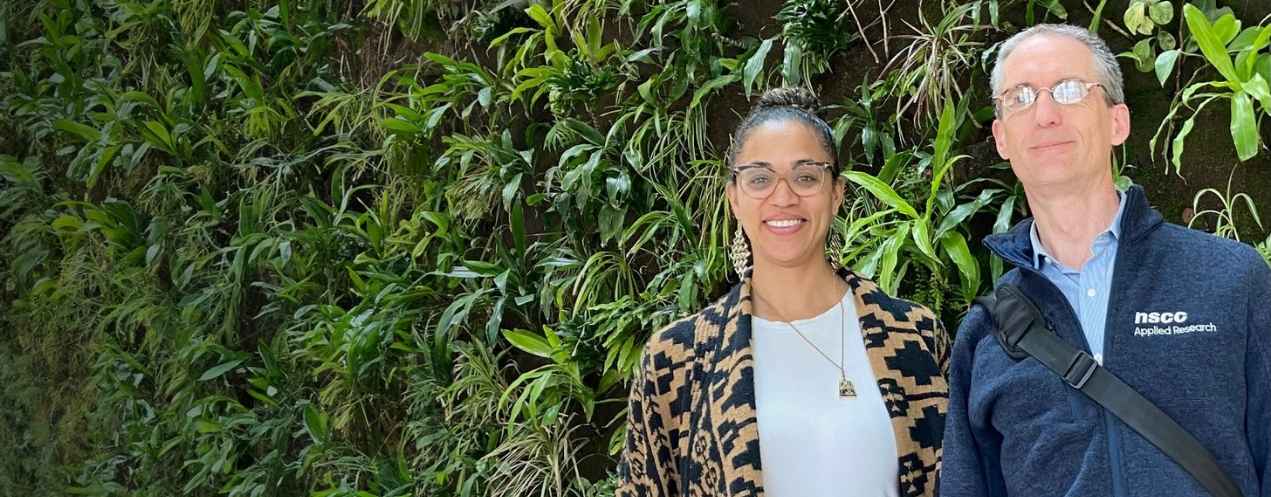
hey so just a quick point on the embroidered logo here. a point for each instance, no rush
(1167, 324)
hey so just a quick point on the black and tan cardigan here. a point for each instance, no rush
(692, 429)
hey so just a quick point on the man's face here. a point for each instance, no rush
(1055, 145)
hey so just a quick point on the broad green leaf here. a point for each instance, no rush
(1176, 146)
(1135, 18)
(1226, 28)
(316, 423)
(965, 210)
(220, 369)
(107, 156)
(540, 15)
(205, 426)
(922, 239)
(1057, 9)
(1249, 57)
(891, 253)
(398, 125)
(80, 131)
(1165, 64)
(1244, 126)
(882, 192)
(1145, 54)
(528, 342)
(709, 87)
(1215, 50)
(1258, 88)
(1161, 12)
(792, 65)
(754, 65)
(955, 246)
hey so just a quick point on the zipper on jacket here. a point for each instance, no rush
(1109, 427)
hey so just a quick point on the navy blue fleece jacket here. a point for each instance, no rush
(1189, 327)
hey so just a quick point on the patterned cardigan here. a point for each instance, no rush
(692, 429)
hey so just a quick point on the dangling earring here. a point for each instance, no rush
(834, 249)
(740, 253)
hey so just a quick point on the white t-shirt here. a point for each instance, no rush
(813, 443)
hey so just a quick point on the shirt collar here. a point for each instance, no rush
(1114, 229)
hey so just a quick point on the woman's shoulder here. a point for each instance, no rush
(683, 333)
(877, 301)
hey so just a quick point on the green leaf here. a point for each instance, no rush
(204, 426)
(954, 244)
(882, 192)
(1161, 12)
(946, 127)
(1165, 64)
(220, 369)
(1249, 57)
(1143, 55)
(1135, 18)
(107, 156)
(710, 86)
(1244, 126)
(401, 126)
(754, 65)
(792, 65)
(316, 424)
(967, 209)
(528, 342)
(1226, 28)
(922, 239)
(891, 254)
(1215, 50)
(1176, 152)
(540, 15)
(1057, 9)
(1258, 88)
(79, 130)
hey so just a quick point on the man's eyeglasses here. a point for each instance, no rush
(1066, 92)
(805, 179)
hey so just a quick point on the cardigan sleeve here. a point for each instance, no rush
(648, 465)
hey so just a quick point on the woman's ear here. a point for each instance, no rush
(730, 191)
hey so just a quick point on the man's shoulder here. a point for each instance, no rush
(1211, 251)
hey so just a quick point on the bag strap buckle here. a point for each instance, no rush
(1080, 369)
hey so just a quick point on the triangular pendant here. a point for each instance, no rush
(846, 389)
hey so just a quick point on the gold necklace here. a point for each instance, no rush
(847, 390)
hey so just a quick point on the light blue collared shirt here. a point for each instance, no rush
(1087, 289)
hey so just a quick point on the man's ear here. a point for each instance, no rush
(999, 139)
(1120, 124)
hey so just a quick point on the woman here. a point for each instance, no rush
(835, 386)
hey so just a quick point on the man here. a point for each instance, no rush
(1182, 317)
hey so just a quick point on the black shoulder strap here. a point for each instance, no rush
(1023, 332)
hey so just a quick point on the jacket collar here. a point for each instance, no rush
(1137, 219)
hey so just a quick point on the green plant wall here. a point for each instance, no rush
(413, 247)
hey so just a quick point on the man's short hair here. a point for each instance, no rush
(1107, 70)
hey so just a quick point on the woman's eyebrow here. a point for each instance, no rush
(754, 164)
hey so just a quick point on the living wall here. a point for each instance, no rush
(414, 247)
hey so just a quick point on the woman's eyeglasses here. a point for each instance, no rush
(805, 179)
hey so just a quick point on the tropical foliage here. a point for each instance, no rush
(412, 247)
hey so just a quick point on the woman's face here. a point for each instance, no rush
(785, 228)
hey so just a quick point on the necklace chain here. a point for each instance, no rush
(841, 365)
